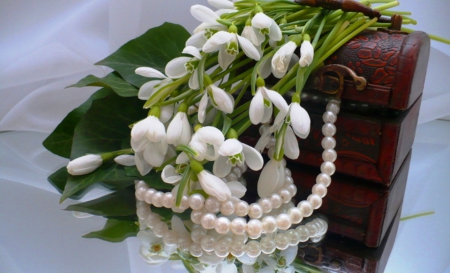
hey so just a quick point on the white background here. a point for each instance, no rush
(46, 45)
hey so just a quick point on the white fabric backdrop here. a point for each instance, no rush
(46, 45)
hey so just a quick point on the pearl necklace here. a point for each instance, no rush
(204, 211)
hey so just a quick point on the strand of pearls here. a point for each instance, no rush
(203, 241)
(264, 216)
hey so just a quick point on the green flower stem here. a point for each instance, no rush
(242, 92)
(165, 91)
(320, 29)
(298, 15)
(111, 155)
(256, 69)
(434, 37)
(233, 68)
(239, 118)
(178, 98)
(243, 126)
(391, 12)
(237, 111)
(279, 151)
(230, 82)
(182, 186)
(417, 215)
(387, 6)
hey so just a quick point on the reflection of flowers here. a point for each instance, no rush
(152, 248)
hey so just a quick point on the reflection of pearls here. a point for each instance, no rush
(266, 216)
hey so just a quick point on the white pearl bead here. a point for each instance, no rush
(285, 195)
(287, 173)
(207, 243)
(328, 143)
(170, 237)
(140, 184)
(255, 211)
(317, 239)
(269, 224)
(140, 194)
(265, 204)
(329, 116)
(149, 195)
(196, 250)
(152, 219)
(276, 200)
(143, 211)
(241, 208)
(329, 155)
(293, 236)
(315, 200)
(320, 190)
(238, 226)
(197, 233)
(196, 201)
(253, 249)
(283, 221)
(184, 202)
(333, 107)
(160, 228)
(208, 220)
(254, 228)
(212, 204)
(306, 208)
(184, 242)
(324, 179)
(222, 225)
(282, 241)
(221, 247)
(237, 248)
(295, 214)
(312, 229)
(303, 233)
(328, 129)
(157, 199)
(268, 245)
(328, 168)
(168, 200)
(227, 207)
(196, 216)
(292, 189)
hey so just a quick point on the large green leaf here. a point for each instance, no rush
(105, 126)
(112, 80)
(120, 203)
(59, 179)
(155, 49)
(115, 230)
(60, 140)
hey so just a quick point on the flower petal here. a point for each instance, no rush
(231, 147)
(275, 32)
(149, 73)
(139, 129)
(193, 80)
(210, 135)
(222, 99)
(306, 54)
(147, 89)
(282, 58)
(237, 189)
(248, 48)
(204, 14)
(178, 226)
(202, 107)
(155, 129)
(214, 186)
(166, 112)
(268, 179)
(142, 165)
(221, 4)
(253, 158)
(261, 20)
(125, 160)
(217, 40)
(175, 128)
(300, 120)
(192, 50)
(175, 68)
(169, 175)
(256, 110)
(290, 144)
(225, 59)
(153, 156)
(220, 167)
(197, 39)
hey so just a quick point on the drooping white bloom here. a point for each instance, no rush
(206, 142)
(290, 144)
(148, 88)
(271, 178)
(228, 45)
(125, 160)
(181, 66)
(282, 59)
(170, 175)
(221, 4)
(218, 98)
(84, 164)
(267, 26)
(306, 53)
(300, 120)
(261, 106)
(213, 185)
(233, 152)
(253, 35)
(208, 27)
(179, 130)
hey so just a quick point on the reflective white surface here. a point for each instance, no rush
(47, 45)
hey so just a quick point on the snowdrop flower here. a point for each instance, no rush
(218, 98)
(84, 164)
(228, 43)
(125, 160)
(152, 248)
(179, 130)
(211, 184)
(170, 175)
(208, 27)
(267, 26)
(271, 178)
(299, 120)
(282, 58)
(252, 34)
(181, 66)
(233, 152)
(148, 88)
(261, 105)
(290, 144)
(306, 52)
(221, 4)
(206, 142)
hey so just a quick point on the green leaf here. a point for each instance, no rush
(120, 203)
(60, 140)
(105, 126)
(155, 49)
(106, 172)
(59, 179)
(153, 179)
(115, 230)
(113, 81)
